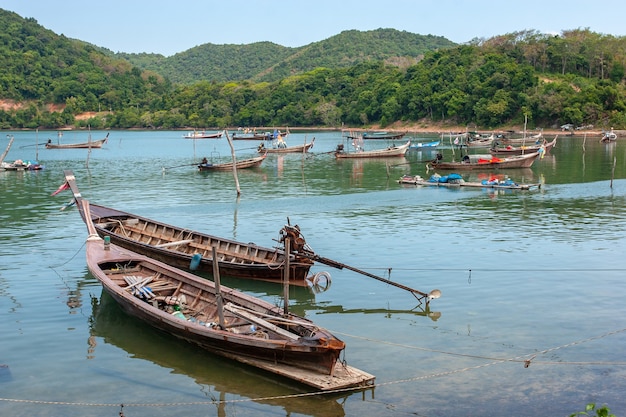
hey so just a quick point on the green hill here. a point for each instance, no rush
(266, 61)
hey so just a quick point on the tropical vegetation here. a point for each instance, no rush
(383, 77)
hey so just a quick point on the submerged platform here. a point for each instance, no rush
(343, 376)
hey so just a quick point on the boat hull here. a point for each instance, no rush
(306, 346)
(392, 151)
(516, 161)
(177, 246)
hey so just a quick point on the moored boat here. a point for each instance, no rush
(281, 147)
(456, 181)
(544, 147)
(378, 135)
(219, 319)
(203, 135)
(83, 145)
(391, 151)
(608, 137)
(205, 165)
(470, 162)
(179, 246)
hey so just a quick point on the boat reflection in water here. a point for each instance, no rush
(219, 380)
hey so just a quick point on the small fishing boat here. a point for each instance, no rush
(183, 248)
(470, 162)
(425, 145)
(281, 147)
(219, 319)
(228, 166)
(378, 135)
(456, 181)
(20, 165)
(84, 145)
(391, 151)
(203, 135)
(521, 150)
(608, 137)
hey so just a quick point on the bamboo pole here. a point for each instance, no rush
(218, 290)
(232, 151)
(286, 276)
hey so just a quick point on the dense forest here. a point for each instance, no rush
(576, 77)
(266, 61)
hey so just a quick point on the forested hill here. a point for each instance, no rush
(40, 68)
(266, 61)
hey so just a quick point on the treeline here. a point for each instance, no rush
(576, 77)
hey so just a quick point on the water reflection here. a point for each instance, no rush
(219, 380)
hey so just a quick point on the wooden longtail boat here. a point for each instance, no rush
(378, 153)
(521, 150)
(228, 166)
(470, 162)
(177, 246)
(500, 185)
(219, 319)
(286, 149)
(378, 135)
(83, 145)
(203, 135)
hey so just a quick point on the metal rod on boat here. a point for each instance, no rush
(286, 276)
(416, 293)
(218, 290)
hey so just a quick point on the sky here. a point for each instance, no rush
(168, 27)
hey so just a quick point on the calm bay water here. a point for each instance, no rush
(524, 276)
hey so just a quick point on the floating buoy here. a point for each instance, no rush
(195, 261)
(320, 281)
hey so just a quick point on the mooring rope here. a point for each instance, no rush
(526, 359)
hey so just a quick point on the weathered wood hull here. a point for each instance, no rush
(83, 145)
(290, 149)
(522, 150)
(392, 151)
(228, 166)
(189, 307)
(177, 246)
(516, 161)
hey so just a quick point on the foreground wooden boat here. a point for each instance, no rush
(177, 246)
(378, 153)
(485, 161)
(219, 319)
(305, 147)
(83, 145)
(544, 147)
(495, 184)
(228, 166)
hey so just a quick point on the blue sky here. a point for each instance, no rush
(168, 27)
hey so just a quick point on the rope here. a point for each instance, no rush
(526, 362)
(494, 361)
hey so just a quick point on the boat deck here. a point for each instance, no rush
(343, 376)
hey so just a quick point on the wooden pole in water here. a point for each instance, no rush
(613, 170)
(232, 151)
(218, 290)
(286, 276)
